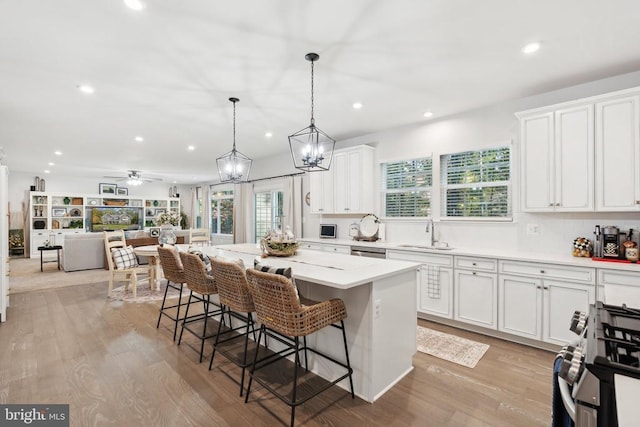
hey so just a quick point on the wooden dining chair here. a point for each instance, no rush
(123, 263)
(199, 236)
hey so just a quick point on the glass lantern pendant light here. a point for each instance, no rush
(234, 166)
(311, 148)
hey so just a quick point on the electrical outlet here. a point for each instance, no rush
(377, 305)
(533, 229)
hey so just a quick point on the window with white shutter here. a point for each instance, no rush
(406, 188)
(476, 184)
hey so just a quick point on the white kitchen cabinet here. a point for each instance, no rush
(475, 298)
(4, 242)
(617, 287)
(321, 187)
(326, 247)
(435, 281)
(354, 180)
(348, 187)
(557, 159)
(476, 291)
(618, 154)
(537, 300)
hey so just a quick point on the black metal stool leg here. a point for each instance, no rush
(186, 316)
(164, 300)
(346, 353)
(296, 343)
(253, 366)
(175, 326)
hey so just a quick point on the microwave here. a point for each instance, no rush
(328, 231)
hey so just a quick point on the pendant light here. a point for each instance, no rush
(234, 166)
(311, 148)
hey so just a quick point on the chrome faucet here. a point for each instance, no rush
(430, 230)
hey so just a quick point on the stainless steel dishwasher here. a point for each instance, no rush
(368, 251)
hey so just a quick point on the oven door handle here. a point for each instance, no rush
(567, 399)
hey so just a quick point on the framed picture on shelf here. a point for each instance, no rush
(108, 188)
(154, 231)
(122, 191)
(160, 211)
(58, 211)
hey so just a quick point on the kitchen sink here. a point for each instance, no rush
(437, 248)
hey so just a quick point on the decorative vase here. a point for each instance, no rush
(167, 236)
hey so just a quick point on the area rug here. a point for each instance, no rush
(144, 294)
(450, 347)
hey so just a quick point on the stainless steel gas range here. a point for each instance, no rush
(599, 375)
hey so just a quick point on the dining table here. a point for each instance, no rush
(151, 252)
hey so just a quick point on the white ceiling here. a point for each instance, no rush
(166, 73)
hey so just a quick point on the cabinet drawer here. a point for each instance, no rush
(421, 257)
(551, 271)
(480, 264)
(617, 277)
(338, 249)
(312, 246)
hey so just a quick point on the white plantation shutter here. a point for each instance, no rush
(476, 184)
(406, 188)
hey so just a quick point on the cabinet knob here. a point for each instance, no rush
(545, 287)
(551, 204)
(637, 202)
(538, 287)
(557, 204)
(474, 273)
(541, 271)
(473, 263)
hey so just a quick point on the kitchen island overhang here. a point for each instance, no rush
(380, 296)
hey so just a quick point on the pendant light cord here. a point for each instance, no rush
(312, 119)
(234, 126)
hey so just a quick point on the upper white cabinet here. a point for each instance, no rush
(582, 155)
(321, 187)
(348, 186)
(557, 159)
(617, 154)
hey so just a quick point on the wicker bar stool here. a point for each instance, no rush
(233, 291)
(199, 281)
(282, 313)
(174, 273)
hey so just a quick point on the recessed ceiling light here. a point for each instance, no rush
(135, 4)
(428, 114)
(139, 139)
(51, 163)
(268, 134)
(47, 171)
(58, 153)
(191, 148)
(357, 105)
(531, 48)
(86, 89)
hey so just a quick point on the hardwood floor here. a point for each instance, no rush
(110, 363)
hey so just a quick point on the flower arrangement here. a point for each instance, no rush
(170, 217)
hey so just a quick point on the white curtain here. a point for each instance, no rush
(206, 206)
(293, 204)
(242, 217)
(194, 208)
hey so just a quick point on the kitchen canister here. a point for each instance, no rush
(631, 254)
(582, 247)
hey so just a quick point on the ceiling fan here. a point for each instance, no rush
(134, 178)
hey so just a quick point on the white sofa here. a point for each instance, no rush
(85, 251)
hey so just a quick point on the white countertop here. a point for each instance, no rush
(567, 259)
(335, 270)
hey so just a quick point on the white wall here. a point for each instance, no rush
(486, 127)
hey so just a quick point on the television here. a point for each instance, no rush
(110, 218)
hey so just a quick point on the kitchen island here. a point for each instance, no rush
(380, 296)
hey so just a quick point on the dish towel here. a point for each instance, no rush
(559, 415)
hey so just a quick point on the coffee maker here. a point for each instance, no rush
(611, 242)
